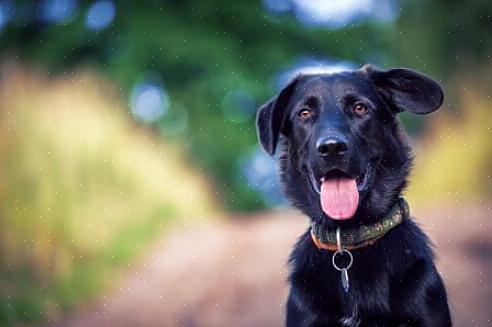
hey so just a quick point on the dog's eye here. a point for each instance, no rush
(360, 109)
(304, 113)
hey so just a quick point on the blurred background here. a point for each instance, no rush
(132, 188)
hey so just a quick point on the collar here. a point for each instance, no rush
(363, 235)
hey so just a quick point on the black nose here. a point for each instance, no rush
(332, 145)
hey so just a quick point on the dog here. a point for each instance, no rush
(344, 161)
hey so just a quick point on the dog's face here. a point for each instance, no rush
(343, 153)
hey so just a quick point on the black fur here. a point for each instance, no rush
(393, 282)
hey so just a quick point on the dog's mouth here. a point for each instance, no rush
(339, 192)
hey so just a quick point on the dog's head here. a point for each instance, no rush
(343, 153)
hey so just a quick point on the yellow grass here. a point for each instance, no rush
(454, 162)
(81, 189)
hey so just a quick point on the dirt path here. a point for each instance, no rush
(233, 273)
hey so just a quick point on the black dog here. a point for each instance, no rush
(344, 163)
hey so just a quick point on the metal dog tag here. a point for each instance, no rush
(343, 270)
(345, 280)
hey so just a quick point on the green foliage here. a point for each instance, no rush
(443, 37)
(202, 51)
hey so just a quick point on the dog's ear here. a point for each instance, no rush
(407, 90)
(270, 117)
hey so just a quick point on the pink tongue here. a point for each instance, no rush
(339, 198)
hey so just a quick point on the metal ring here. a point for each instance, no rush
(340, 252)
(339, 239)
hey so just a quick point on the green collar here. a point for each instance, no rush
(360, 236)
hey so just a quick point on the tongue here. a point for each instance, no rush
(339, 198)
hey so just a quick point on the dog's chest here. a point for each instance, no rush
(320, 289)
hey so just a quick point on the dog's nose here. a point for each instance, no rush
(332, 145)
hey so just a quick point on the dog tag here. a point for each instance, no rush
(343, 269)
(345, 280)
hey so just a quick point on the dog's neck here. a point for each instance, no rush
(364, 235)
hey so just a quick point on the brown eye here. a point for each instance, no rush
(360, 109)
(304, 113)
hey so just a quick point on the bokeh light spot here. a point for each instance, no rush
(149, 102)
(262, 174)
(100, 15)
(57, 11)
(312, 66)
(6, 12)
(335, 14)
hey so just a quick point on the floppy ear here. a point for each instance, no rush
(407, 90)
(270, 117)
